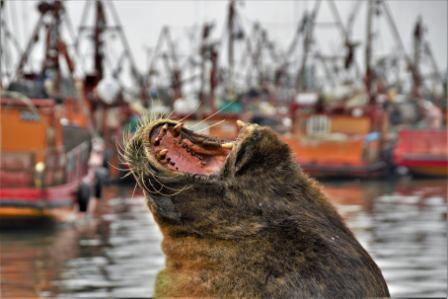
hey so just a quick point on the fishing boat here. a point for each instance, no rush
(347, 134)
(422, 146)
(423, 151)
(51, 161)
(102, 83)
(45, 169)
(338, 145)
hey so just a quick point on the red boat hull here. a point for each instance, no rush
(55, 196)
(16, 202)
(423, 151)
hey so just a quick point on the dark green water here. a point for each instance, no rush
(117, 253)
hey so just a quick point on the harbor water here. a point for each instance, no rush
(117, 253)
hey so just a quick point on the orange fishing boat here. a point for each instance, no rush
(47, 163)
(338, 144)
(44, 164)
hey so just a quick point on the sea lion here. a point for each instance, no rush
(240, 219)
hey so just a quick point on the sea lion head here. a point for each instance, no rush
(199, 184)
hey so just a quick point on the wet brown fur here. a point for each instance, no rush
(259, 228)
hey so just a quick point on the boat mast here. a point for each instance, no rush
(213, 75)
(54, 45)
(409, 62)
(307, 42)
(152, 72)
(369, 76)
(230, 50)
(416, 78)
(136, 75)
(99, 29)
(436, 75)
(282, 69)
(176, 82)
(7, 39)
(207, 52)
(101, 25)
(350, 58)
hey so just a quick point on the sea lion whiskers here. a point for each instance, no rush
(163, 186)
(148, 118)
(213, 114)
(154, 190)
(212, 125)
(149, 170)
(177, 128)
(141, 143)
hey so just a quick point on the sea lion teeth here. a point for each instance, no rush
(165, 127)
(227, 145)
(162, 154)
(240, 123)
(177, 128)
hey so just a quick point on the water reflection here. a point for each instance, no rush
(403, 225)
(117, 254)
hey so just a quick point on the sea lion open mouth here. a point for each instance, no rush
(178, 149)
(241, 220)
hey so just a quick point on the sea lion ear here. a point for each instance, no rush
(261, 150)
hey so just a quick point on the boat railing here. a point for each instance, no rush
(77, 161)
(337, 125)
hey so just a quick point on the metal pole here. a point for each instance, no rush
(230, 31)
(368, 53)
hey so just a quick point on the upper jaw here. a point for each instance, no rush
(177, 151)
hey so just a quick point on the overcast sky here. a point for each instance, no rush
(142, 21)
